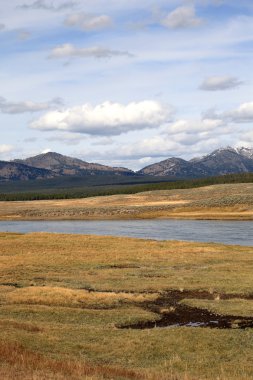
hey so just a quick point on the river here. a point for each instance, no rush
(227, 232)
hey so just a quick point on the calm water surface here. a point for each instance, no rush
(227, 232)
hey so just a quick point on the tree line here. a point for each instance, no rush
(126, 189)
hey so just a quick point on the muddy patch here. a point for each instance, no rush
(117, 291)
(174, 314)
(119, 266)
(11, 284)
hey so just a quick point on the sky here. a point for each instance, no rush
(125, 83)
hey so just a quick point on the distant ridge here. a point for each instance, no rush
(13, 171)
(220, 162)
(50, 165)
(64, 165)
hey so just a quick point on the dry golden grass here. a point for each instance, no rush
(16, 362)
(55, 296)
(211, 202)
(63, 298)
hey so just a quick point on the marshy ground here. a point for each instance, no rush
(89, 307)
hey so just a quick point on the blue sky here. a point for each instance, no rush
(124, 82)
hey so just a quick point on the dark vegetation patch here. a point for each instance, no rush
(117, 291)
(12, 284)
(174, 314)
(120, 266)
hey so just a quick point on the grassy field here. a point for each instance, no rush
(227, 201)
(83, 307)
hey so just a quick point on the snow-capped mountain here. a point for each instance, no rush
(220, 162)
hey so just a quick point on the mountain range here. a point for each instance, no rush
(220, 162)
(68, 166)
(50, 165)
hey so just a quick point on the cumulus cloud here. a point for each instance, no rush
(159, 147)
(242, 114)
(193, 132)
(88, 22)
(182, 17)
(156, 146)
(106, 119)
(220, 83)
(49, 5)
(70, 51)
(193, 126)
(27, 106)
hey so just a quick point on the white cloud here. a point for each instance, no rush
(145, 160)
(70, 51)
(193, 126)
(106, 119)
(2, 27)
(243, 114)
(88, 22)
(152, 149)
(27, 106)
(5, 149)
(45, 151)
(247, 137)
(220, 83)
(49, 5)
(182, 17)
(156, 146)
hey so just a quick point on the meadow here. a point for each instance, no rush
(89, 307)
(223, 201)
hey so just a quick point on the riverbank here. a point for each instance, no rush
(75, 307)
(217, 202)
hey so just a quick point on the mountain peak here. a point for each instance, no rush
(246, 152)
(225, 160)
(65, 165)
